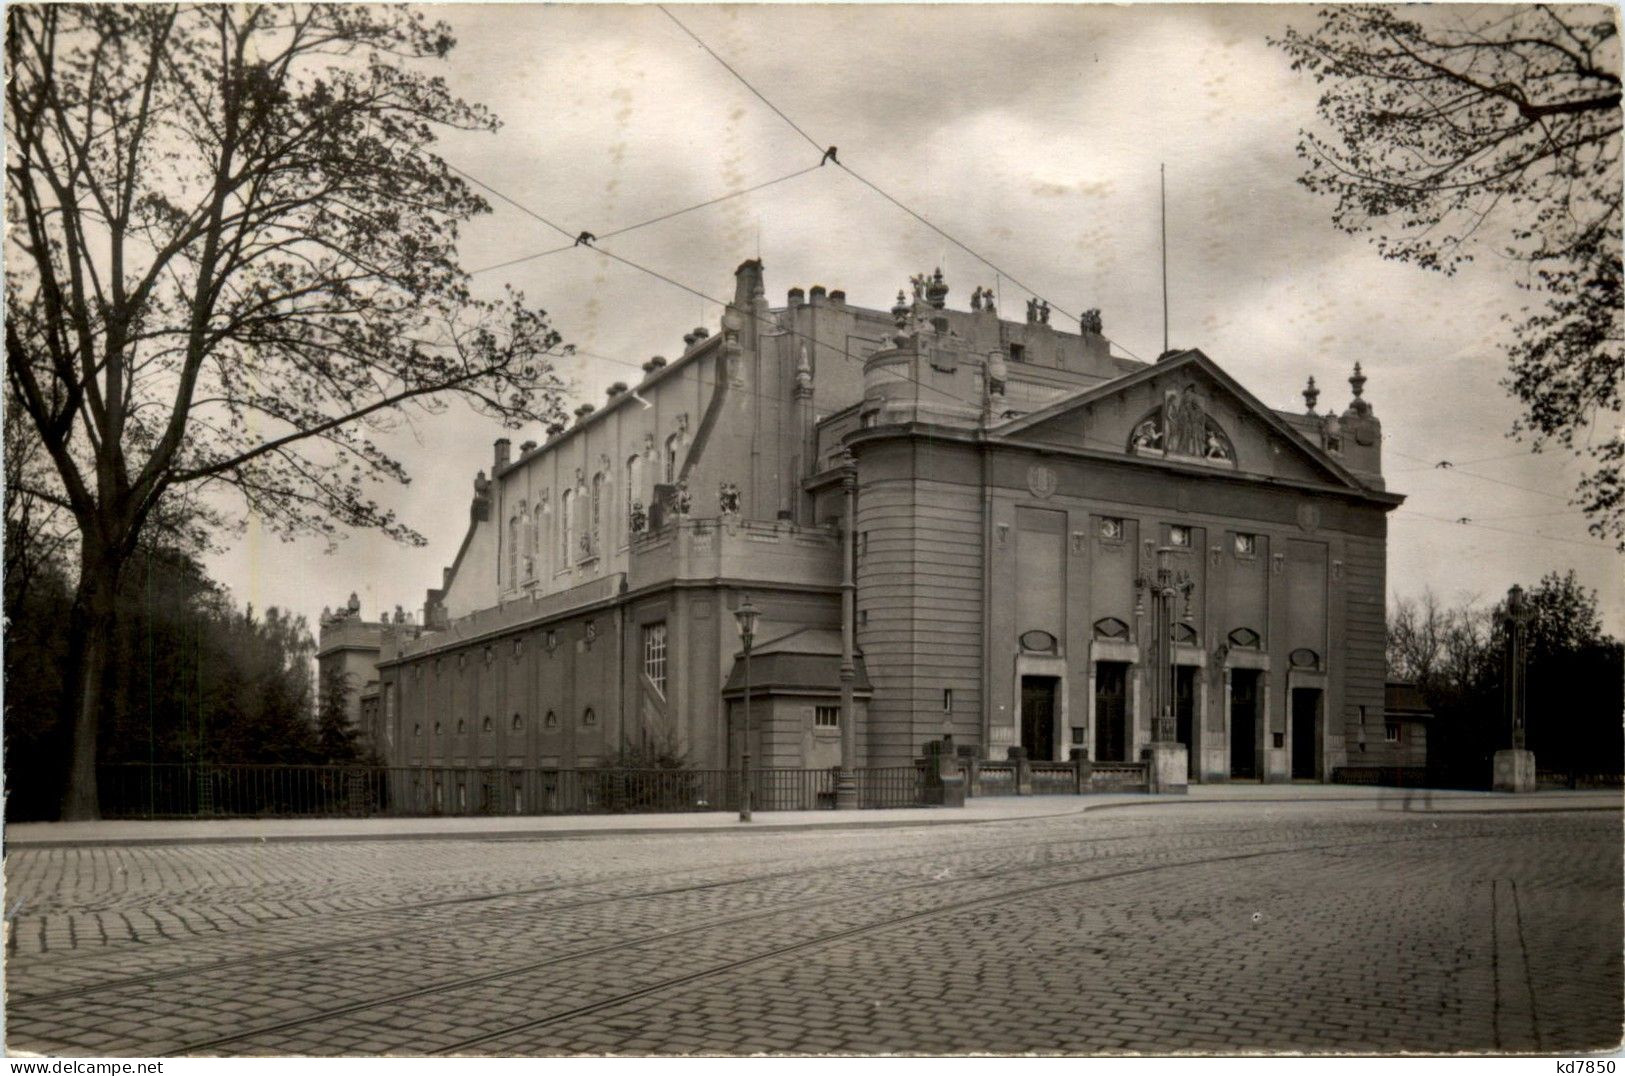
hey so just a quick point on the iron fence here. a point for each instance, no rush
(189, 790)
(890, 786)
(192, 790)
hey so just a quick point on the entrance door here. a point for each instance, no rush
(1305, 724)
(1244, 724)
(1038, 716)
(1111, 711)
(1185, 713)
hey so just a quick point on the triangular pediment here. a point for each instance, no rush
(1182, 410)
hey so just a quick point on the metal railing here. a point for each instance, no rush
(890, 786)
(187, 790)
(190, 790)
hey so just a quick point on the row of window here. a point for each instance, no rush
(1112, 529)
(654, 667)
(824, 717)
(580, 534)
(551, 721)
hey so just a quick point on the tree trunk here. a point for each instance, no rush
(93, 618)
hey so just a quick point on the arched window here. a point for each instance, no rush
(536, 541)
(551, 720)
(671, 459)
(488, 725)
(437, 728)
(518, 723)
(588, 717)
(567, 531)
(593, 548)
(513, 551)
(462, 726)
(634, 493)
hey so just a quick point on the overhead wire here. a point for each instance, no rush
(1447, 464)
(682, 286)
(1424, 517)
(1484, 478)
(642, 223)
(743, 80)
(828, 155)
(1410, 514)
(920, 217)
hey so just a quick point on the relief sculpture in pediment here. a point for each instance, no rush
(1182, 427)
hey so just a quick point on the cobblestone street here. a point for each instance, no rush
(1202, 927)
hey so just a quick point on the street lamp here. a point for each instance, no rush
(1515, 618)
(1164, 585)
(746, 616)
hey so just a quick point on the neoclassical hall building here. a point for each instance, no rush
(1012, 487)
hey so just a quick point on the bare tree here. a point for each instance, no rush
(1447, 124)
(231, 259)
(1435, 646)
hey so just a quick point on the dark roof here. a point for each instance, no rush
(804, 660)
(1404, 697)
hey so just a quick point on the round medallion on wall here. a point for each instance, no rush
(1308, 516)
(1041, 481)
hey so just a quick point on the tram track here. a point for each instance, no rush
(19, 960)
(832, 937)
(868, 929)
(16, 1000)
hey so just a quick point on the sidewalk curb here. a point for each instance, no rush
(935, 817)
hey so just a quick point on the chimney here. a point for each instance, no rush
(555, 428)
(701, 332)
(816, 296)
(747, 282)
(616, 389)
(688, 340)
(527, 447)
(583, 411)
(654, 364)
(501, 446)
(838, 297)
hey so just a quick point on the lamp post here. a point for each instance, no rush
(1514, 769)
(1516, 619)
(1164, 584)
(846, 785)
(746, 616)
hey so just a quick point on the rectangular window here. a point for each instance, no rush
(1179, 537)
(1018, 353)
(1246, 545)
(654, 655)
(827, 717)
(1390, 732)
(947, 700)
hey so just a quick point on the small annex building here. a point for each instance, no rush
(1011, 483)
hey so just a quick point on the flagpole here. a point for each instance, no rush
(1163, 172)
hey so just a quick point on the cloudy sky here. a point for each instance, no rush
(1033, 135)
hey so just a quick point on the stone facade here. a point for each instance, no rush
(350, 646)
(1014, 484)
